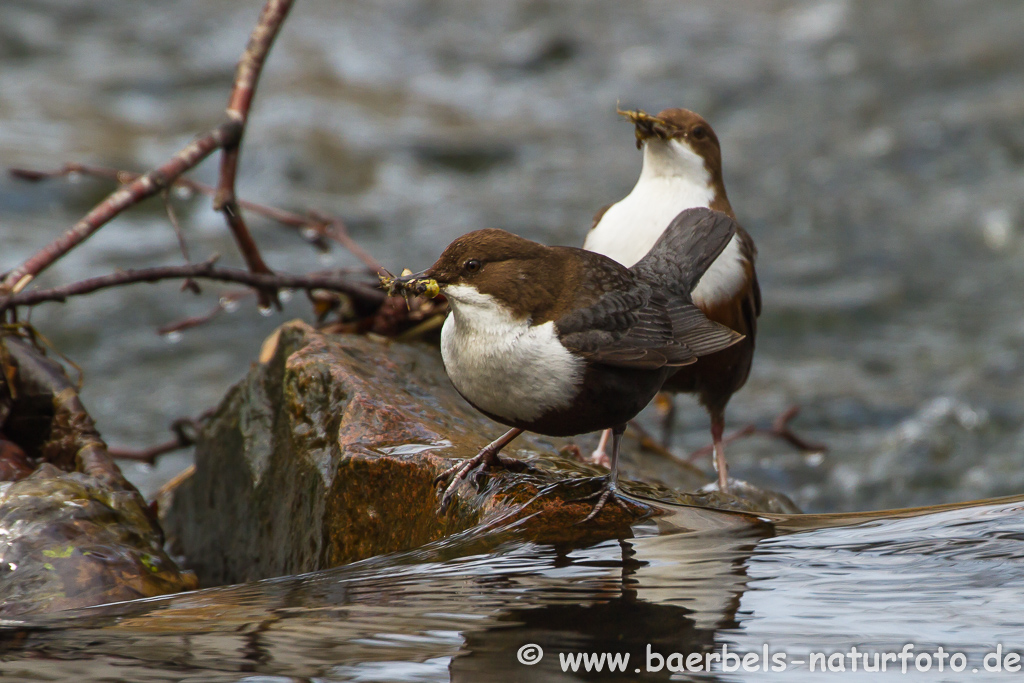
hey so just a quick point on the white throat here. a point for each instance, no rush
(505, 366)
(673, 178)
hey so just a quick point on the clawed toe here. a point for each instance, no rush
(458, 470)
(456, 473)
(608, 492)
(473, 468)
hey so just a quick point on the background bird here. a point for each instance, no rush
(682, 168)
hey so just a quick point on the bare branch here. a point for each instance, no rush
(207, 271)
(142, 187)
(226, 300)
(172, 216)
(239, 103)
(321, 225)
(185, 429)
(225, 136)
(337, 231)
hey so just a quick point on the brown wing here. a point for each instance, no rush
(622, 321)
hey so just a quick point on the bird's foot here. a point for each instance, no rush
(485, 460)
(608, 492)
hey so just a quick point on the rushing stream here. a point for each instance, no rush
(875, 151)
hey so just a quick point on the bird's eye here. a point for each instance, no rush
(472, 265)
(699, 133)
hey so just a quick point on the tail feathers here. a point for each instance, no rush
(687, 248)
(701, 335)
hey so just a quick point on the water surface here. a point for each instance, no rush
(462, 609)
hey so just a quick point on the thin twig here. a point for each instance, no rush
(147, 455)
(226, 300)
(337, 231)
(780, 429)
(320, 226)
(207, 271)
(172, 216)
(185, 429)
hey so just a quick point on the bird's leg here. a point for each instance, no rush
(649, 443)
(780, 429)
(667, 407)
(611, 488)
(600, 454)
(487, 457)
(717, 427)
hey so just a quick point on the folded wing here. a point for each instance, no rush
(648, 319)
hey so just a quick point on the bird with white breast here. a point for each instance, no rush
(564, 341)
(682, 168)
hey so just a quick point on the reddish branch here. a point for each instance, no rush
(225, 136)
(148, 455)
(206, 271)
(185, 432)
(146, 185)
(239, 103)
(337, 231)
(225, 301)
(322, 226)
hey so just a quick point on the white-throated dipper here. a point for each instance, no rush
(563, 341)
(682, 168)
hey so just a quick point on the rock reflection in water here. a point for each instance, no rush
(461, 608)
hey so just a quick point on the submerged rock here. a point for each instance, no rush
(73, 531)
(327, 451)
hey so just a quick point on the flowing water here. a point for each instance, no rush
(874, 150)
(474, 607)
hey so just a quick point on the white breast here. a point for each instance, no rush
(726, 276)
(502, 365)
(673, 179)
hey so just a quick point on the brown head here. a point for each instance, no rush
(525, 276)
(684, 128)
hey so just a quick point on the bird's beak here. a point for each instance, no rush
(411, 283)
(647, 126)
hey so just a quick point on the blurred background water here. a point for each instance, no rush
(874, 150)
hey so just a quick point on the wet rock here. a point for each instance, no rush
(14, 464)
(73, 531)
(72, 541)
(326, 454)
